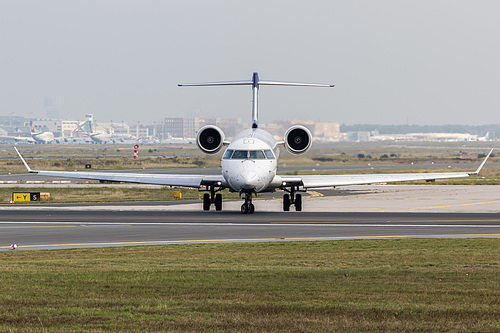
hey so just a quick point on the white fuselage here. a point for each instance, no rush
(250, 162)
(102, 137)
(44, 137)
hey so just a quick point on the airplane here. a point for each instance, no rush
(172, 140)
(250, 162)
(42, 137)
(103, 137)
(484, 138)
(79, 135)
(16, 139)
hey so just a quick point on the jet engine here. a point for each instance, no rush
(298, 139)
(210, 139)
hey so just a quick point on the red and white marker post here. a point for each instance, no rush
(136, 151)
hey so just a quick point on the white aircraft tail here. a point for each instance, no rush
(255, 83)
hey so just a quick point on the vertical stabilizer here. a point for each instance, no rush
(255, 101)
(255, 83)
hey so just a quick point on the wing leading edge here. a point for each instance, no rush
(156, 179)
(316, 181)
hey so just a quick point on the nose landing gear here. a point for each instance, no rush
(247, 207)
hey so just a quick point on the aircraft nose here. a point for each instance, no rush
(248, 179)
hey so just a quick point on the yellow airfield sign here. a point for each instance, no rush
(25, 196)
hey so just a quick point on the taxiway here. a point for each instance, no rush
(358, 212)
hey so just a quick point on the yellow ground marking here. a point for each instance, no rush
(257, 239)
(381, 221)
(67, 226)
(315, 194)
(457, 205)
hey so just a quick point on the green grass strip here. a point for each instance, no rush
(409, 285)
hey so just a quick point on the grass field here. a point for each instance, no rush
(410, 285)
(102, 157)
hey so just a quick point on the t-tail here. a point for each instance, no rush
(255, 83)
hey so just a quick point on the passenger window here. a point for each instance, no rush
(256, 154)
(239, 154)
(269, 154)
(228, 154)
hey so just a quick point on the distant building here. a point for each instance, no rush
(327, 131)
(142, 132)
(188, 127)
(50, 110)
(357, 136)
(68, 127)
(174, 127)
(48, 125)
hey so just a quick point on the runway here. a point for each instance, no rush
(379, 214)
(78, 229)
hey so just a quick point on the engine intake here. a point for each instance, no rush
(210, 139)
(298, 139)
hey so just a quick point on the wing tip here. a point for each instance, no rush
(482, 164)
(24, 162)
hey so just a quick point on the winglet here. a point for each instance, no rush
(24, 162)
(480, 167)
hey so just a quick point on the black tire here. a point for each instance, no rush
(252, 209)
(206, 201)
(286, 202)
(218, 202)
(298, 202)
(244, 209)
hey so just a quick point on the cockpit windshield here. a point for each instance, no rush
(239, 155)
(248, 154)
(256, 154)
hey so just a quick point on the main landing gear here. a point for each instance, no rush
(292, 199)
(248, 207)
(212, 198)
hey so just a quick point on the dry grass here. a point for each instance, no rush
(106, 194)
(70, 157)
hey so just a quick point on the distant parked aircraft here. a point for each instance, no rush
(42, 137)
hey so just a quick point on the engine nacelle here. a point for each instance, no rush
(298, 139)
(210, 139)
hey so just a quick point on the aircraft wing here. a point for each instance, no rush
(316, 181)
(17, 138)
(142, 178)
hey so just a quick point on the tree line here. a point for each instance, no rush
(480, 130)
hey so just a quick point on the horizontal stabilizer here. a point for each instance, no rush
(255, 83)
(298, 84)
(225, 83)
(250, 83)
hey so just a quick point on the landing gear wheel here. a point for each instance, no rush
(206, 201)
(247, 208)
(298, 202)
(218, 201)
(244, 209)
(286, 202)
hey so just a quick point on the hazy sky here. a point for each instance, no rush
(393, 62)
